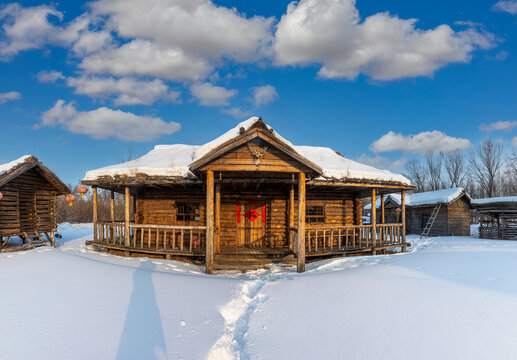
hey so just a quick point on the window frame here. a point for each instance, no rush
(315, 219)
(188, 216)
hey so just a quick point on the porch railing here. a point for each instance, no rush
(351, 237)
(162, 238)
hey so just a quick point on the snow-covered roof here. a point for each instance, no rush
(444, 196)
(174, 161)
(495, 200)
(7, 167)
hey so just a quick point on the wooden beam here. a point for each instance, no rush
(301, 223)
(373, 220)
(95, 212)
(383, 218)
(209, 260)
(126, 218)
(403, 204)
(291, 216)
(112, 206)
(218, 215)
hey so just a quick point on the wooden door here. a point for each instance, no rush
(251, 216)
(27, 210)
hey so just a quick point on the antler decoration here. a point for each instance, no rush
(257, 153)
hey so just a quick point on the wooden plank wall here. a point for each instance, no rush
(414, 220)
(158, 206)
(458, 218)
(29, 205)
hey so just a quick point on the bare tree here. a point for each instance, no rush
(415, 173)
(434, 171)
(486, 162)
(510, 175)
(455, 167)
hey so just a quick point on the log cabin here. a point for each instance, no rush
(498, 217)
(453, 216)
(248, 194)
(29, 193)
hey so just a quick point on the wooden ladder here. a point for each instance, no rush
(36, 239)
(431, 220)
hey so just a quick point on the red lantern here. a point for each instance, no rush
(1, 196)
(82, 190)
(70, 198)
(398, 210)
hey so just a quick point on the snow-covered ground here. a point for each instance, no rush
(449, 298)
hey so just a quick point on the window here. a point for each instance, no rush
(314, 214)
(425, 220)
(187, 212)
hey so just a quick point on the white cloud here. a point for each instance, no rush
(211, 95)
(383, 46)
(123, 91)
(236, 112)
(499, 126)
(263, 95)
(144, 57)
(514, 141)
(103, 123)
(197, 27)
(509, 6)
(8, 96)
(381, 162)
(424, 142)
(49, 76)
(26, 28)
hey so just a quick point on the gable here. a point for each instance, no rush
(35, 176)
(256, 155)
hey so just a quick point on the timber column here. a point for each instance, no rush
(301, 223)
(218, 215)
(373, 221)
(126, 220)
(291, 217)
(95, 232)
(209, 260)
(403, 213)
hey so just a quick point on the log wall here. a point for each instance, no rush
(29, 205)
(159, 207)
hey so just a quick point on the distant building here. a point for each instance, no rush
(453, 217)
(498, 217)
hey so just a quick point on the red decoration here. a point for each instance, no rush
(82, 190)
(252, 202)
(238, 214)
(398, 210)
(264, 213)
(1, 196)
(70, 198)
(252, 214)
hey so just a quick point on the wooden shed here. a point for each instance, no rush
(28, 205)
(247, 195)
(453, 216)
(498, 217)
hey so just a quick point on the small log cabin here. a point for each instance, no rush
(498, 217)
(247, 194)
(28, 204)
(453, 217)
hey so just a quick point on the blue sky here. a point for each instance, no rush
(360, 77)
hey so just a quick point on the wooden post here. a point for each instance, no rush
(373, 218)
(218, 215)
(403, 204)
(383, 219)
(126, 219)
(112, 206)
(52, 239)
(95, 233)
(291, 216)
(209, 261)
(301, 223)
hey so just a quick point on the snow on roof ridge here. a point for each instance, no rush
(175, 159)
(4, 168)
(494, 200)
(442, 196)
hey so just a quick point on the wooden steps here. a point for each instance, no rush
(232, 262)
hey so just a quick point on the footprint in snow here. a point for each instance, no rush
(182, 323)
(452, 274)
